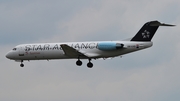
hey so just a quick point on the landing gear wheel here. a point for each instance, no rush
(89, 65)
(79, 63)
(22, 65)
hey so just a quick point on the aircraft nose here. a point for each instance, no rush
(9, 55)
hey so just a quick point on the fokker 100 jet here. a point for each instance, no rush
(86, 50)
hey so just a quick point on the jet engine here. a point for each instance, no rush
(109, 46)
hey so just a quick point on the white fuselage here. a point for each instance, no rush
(86, 50)
(46, 51)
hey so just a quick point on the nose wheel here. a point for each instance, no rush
(22, 65)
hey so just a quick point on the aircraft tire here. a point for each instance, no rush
(89, 65)
(79, 63)
(22, 65)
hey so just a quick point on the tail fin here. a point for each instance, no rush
(148, 30)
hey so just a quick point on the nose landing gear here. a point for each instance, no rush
(22, 65)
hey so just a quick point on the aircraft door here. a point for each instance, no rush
(21, 51)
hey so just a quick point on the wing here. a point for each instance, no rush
(72, 52)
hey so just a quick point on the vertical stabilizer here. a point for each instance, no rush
(148, 30)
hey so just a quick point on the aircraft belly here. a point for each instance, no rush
(37, 55)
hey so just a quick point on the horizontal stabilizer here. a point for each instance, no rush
(157, 23)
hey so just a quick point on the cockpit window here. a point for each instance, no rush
(14, 48)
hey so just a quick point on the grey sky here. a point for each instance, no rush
(150, 75)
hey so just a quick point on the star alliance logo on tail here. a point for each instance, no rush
(146, 34)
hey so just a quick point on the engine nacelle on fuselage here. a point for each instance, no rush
(109, 46)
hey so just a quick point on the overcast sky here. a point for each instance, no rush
(148, 75)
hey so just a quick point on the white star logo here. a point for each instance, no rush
(146, 34)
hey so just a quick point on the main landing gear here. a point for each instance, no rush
(22, 65)
(89, 64)
(79, 62)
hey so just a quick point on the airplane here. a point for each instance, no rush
(86, 50)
